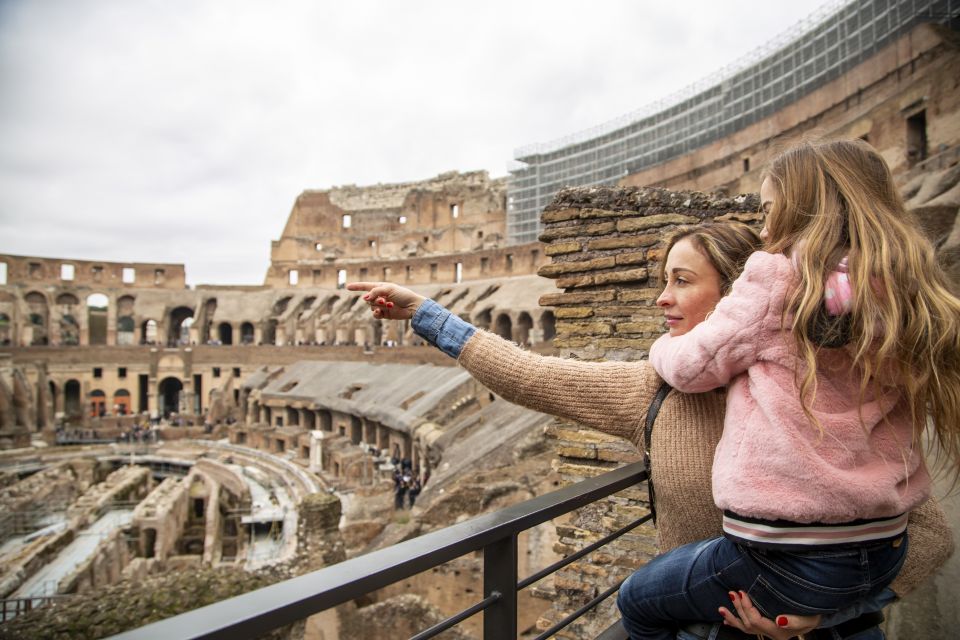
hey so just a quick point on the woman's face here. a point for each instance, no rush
(767, 195)
(692, 290)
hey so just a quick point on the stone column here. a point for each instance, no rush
(112, 320)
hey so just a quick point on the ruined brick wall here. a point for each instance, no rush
(412, 268)
(450, 214)
(31, 271)
(605, 245)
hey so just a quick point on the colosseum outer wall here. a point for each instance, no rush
(904, 100)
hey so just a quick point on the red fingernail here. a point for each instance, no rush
(781, 621)
(733, 596)
(390, 305)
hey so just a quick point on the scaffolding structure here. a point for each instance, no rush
(840, 35)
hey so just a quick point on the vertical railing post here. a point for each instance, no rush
(500, 576)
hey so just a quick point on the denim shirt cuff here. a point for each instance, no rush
(442, 329)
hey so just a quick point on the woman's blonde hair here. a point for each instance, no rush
(837, 199)
(726, 245)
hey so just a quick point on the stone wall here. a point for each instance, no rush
(414, 269)
(429, 220)
(606, 244)
(93, 275)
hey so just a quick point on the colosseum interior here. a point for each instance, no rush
(166, 446)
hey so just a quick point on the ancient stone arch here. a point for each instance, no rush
(483, 319)
(169, 395)
(126, 322)
(149, 332)
(504, 327)
(22, 399)
(6, 329)
(247, 333)
(36, 331)
(178, 333)
(206, 321)
(524, 325)
(98, 403)
(548, 325)
(98, 308)
(122, 404)
(72, 406)
(225, 333)
(69, 326)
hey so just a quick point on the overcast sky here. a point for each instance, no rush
(183, 130)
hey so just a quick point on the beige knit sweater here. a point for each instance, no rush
(613, 397)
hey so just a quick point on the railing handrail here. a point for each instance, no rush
(260, 611)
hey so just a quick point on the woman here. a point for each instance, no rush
(701, 265)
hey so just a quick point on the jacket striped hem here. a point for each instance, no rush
(783, 533)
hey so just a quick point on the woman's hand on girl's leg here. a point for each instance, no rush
(750, 620)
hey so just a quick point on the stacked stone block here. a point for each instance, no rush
(605, 245)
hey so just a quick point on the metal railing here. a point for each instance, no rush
(258, 612)
(13, 607)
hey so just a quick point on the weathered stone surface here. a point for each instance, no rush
(638, 257)
(564, 342)
(595, 229)
(584, 452)
(559, 248)
(627, 275)
(556, 299)
(623, 242)
(638, 295)
(648, 326)
(130, 604)
(560, 268)
(640, 198)
(633, 311)
(648, 222)
(584, 329)
(402, 616)
(574, 312)
(741, 216)
(576, 281)
(560, 215)
(582, 435)
(640, 344)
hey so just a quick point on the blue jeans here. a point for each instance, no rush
(691, 582)
(872, 633)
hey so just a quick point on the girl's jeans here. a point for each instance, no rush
(691, 582)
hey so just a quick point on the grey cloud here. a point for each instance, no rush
(182, 131)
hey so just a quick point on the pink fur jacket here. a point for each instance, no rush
(772, 462)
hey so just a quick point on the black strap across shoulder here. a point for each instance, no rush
(647, 437)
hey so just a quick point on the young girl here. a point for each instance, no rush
(820, 457)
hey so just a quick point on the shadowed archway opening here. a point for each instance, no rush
(72, 409)
(504, 327)
(225, 333)
(170, 390)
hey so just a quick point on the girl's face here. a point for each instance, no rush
(768, 194)
(692, 290)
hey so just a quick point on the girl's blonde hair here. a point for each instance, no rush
(726, 245)
(837, 199)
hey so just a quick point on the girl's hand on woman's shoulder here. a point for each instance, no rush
(388, 301)
(749, 619)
